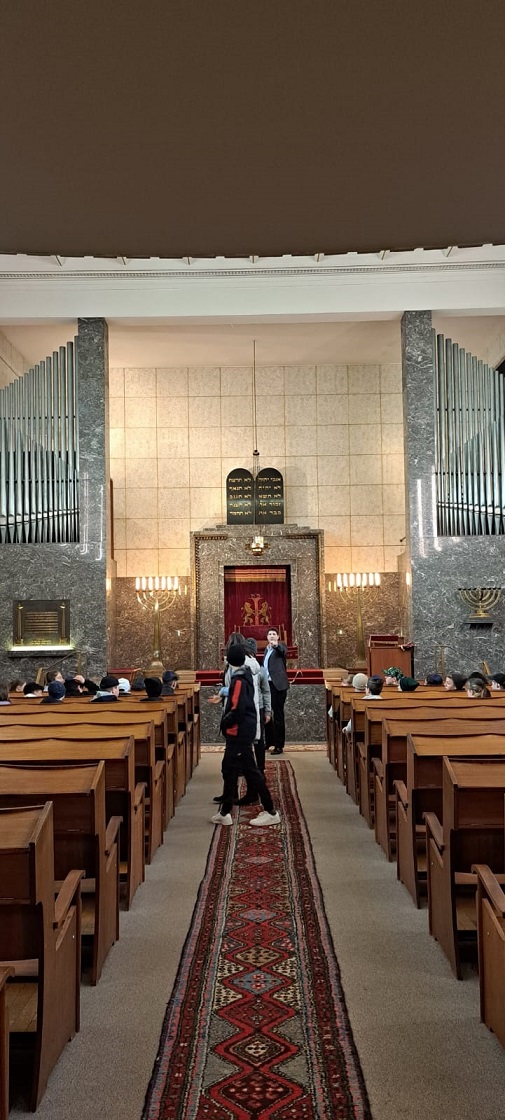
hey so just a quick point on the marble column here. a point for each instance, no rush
(435, 567)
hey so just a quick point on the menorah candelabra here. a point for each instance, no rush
(352, 585)
(158, 594)
(480, 599)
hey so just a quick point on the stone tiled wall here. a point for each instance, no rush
(335, 432)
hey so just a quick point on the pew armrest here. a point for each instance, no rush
(433, 825)
(67, 895)
(402, 793)
(491, 887)
(112, 833)
(140, 792)
(378, 767)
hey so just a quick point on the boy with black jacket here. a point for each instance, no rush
(238, 725)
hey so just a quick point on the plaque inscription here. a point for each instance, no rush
(269, 497)
(240, 497)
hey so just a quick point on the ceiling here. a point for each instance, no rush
(200, 129)
(364, 342)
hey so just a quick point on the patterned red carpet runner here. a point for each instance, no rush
(257, 1025)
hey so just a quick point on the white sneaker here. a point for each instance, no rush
(265, 818)
(219, 819)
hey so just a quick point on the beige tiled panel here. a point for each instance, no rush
(393, 499)
(299, 380)
(392, 408)
(173, 472)
(365, 470)
(236, 381)
(363, 380)
(207, 502)
(333, 470)
(205, 472)
(172, 412)
(229, 464)
(301, 440)
(271, 460)
(301, 501)
(331, 379)
(394, 530)
(301, 470)
(366, 530)
(332, 409)
(117, 472)
(337, 559)
(337, 531)
(116, 412)
(300, 410)
(119, 533)
(174, 532)
(141, 533)
(392, 439)
(393, 468)
(391, 378)
(142, 562)
(204, 382)
(119, 499)
(270, 381)
(116, 382)
(367, 559)
(140, 382)
(172, 382)
(391, 557)
(365, 439)
(120, 558)
(174, 562)
(173, 502)
(141, 473)
(116, 443)
(205, 442)
(173, 443)
(204, 412)
(365, 410)
(140, 412)
(366, 500)
(334, 501)
(236, 411)
(142, 502)
(271, 441)
(333, 439)
(141, 443)
(270, 411)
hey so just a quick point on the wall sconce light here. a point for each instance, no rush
(258, 545)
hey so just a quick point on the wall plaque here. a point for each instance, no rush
(41, 622)
(269, 506)
(240, 497)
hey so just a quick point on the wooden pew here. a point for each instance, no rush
(391, 767)
(124, 796)
(106, 725)
(472, 832)
(491, 948)
(81, 839)
(422, 791)
(40, 938)
(4, 1045)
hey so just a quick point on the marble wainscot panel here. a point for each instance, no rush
(72, 571)
(134, 630)
(304, 712)
(439, 566)
(380, 610)
(228, 545)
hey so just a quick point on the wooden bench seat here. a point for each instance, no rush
(491, 948)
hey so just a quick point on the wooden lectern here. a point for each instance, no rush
(385, 650)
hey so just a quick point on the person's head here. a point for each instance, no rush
(236, 656)
(56, 691)
(234, 640)
(498, 682)
(476, 676)
(273, 636)
(391, 676)
(31, 688)
(407, 684)
(359, 682)
(124, 686)
(17, 685)
(374, 686)
(169, 677)
(455, 682)
(251, 646)
(4, 694)
(153, 687)
(54, 675)
(138, 683)
(477, 689)
(73, 687)
(110, 684)
(434, 679)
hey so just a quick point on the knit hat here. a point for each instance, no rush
(124, 684)
(108, 682)
(393, 672)
(153, 687)
(408, 684)
(434, 678)
(138, 684)
(169, 676)
(236, 655)
(359, 681)
(56, 690)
